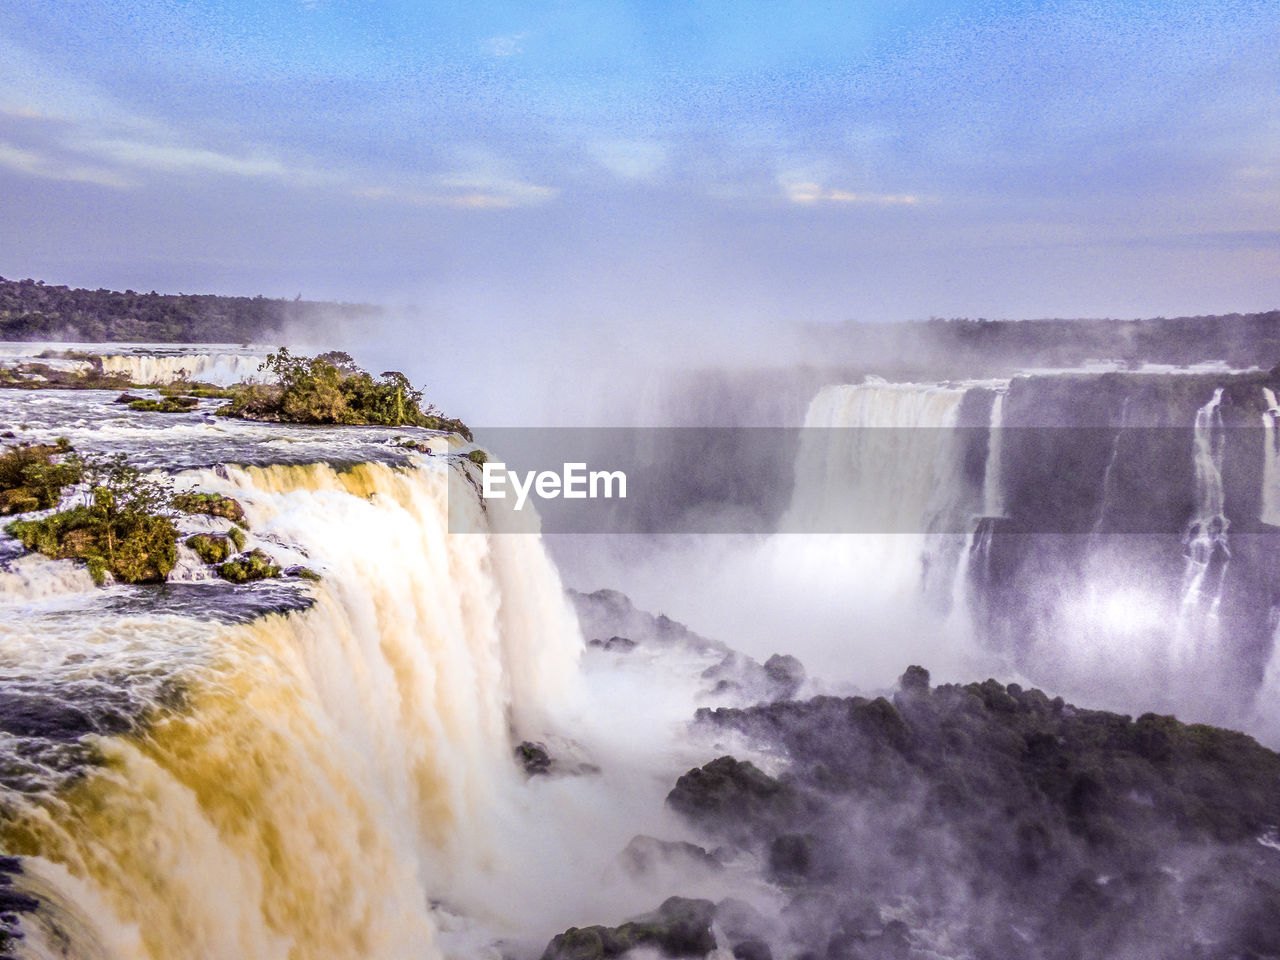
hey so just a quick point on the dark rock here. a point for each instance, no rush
(914, 680)
(210, 547)
(534, 758)
(726, 794)
(792, 857)
(644, 855)
(752, 950)
(210, 504)
(32, 714)
(614, 644)
(254, 565)
(787, 673)
(678, 928)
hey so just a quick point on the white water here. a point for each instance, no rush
(877, 456)
(992, 491)
(1271, 460)
(217, 368)
(1205, 540)
(328, 773)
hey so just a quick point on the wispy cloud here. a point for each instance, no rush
(630, 159)
(37, 164)
(504, 46)
(810, 193)
(179, 158)
(474, 192)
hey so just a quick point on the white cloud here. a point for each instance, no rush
(630, 159)
(505, 46)
(811, 192)
(472, 191)
(35, 164)
(175, 158)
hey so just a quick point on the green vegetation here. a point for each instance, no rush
(330, 388)
(210, 547)
(32, 479)
(123, 527)
(478, 457)
(34, 310)
(254, 565)
(41, 376)
(165, 405)
(212, 505)
(195, 388)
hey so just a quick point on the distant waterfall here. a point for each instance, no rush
(1271, 461)
(884, 451)
(977, 548)
(1205, 540)
(992, 491)
(218, 368)
(320, 778)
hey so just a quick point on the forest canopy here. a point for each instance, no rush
(35, 310)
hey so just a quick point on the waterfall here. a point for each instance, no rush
(1271, 461)
(992, 492)
(218, 368)
(877, 453)
(310, 785)
(1205, 540)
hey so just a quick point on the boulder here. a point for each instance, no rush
(210, 547)
(254, 565)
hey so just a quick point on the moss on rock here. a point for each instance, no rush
(210, 547)
(211, 505)
(165, 405)
(254, 565)
(133, 547)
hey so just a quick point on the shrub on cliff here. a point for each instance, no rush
(330, 388)
(122, 528)
(254, 565)
(32, 478)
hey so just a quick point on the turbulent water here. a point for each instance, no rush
(306, 784)
(220, 364)
(315, 771)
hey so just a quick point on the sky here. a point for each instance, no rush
(659, 167)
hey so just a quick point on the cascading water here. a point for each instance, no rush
(1271, 460)
(309, 784)
(219, 368)
(1207, 550)
(880, 450)
(975, 557)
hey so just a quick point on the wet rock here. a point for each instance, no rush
(32, 714)
(679, 928)
(728, 795)
(752, 950)
(248, 567)
(645, 855)
(793, 857)
(534, 758)
(786, 673)
(614, 644)
(914, 680)
(211, 505)
(164, 405)
(210, 547)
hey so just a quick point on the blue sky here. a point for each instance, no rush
(611, 164)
